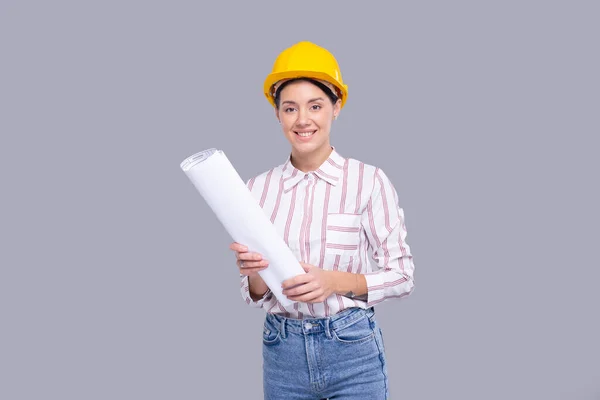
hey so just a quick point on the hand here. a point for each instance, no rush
(313, 287)
(248, 263)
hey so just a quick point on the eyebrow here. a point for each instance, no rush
(310, 101)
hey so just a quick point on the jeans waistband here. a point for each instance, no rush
(316, 325)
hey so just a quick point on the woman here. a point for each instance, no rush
(334, 213)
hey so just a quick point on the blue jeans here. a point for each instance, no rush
(340, 357)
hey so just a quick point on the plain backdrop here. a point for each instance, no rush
(116, 281)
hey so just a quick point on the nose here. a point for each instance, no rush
(303, 119)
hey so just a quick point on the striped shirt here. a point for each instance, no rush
(344, 216)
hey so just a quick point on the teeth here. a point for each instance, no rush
(305, 134)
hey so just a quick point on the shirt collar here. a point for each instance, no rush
(330, 171)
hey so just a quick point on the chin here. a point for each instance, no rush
(307, 148)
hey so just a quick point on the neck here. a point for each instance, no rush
(311, 161)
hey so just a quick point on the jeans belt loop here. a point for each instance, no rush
(328, 327)
(282, 327)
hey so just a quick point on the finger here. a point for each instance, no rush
(302, 289)
(310, 297)
(245, 269)
(238, 247)
(253, 268)
(306, 267)
(251, 272)
(249, 256)
(297, 280)
(253, 264)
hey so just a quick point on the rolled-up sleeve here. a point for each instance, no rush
(383, 222)
(245, 290)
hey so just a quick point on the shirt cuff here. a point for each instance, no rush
(375, 288)
(245, 290)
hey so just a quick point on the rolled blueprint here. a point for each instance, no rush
(242, 217)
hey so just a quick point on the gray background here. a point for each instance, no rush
(116, 279)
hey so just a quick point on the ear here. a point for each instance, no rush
(277, 115)
(336, 108)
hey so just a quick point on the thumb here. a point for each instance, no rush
(305, 266)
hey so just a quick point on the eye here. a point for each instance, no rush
(316, 107)
(289, 109)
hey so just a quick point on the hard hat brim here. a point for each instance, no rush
(276, 77)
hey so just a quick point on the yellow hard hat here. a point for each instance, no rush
(305, 60)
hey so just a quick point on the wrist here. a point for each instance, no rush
(257, 288)
(344, 282)
(336, 281)
(349, 284)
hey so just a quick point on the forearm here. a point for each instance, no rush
(347, 283)
(257, 287)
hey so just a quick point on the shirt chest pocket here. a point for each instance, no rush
(342, 234)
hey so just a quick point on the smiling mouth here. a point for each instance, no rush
(305, 133)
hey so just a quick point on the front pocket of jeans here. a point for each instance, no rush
(270, 336)
(359, 332)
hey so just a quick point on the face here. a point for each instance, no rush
(306, 115)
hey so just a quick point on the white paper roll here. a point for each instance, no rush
(227, 195)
